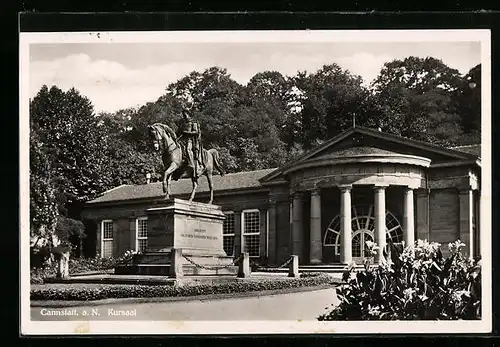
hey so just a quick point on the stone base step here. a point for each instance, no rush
(164, 258)
(164, 270)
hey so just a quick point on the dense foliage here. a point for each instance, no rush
(79, 266)
(77, 154)
(83, 293)
(415, 284)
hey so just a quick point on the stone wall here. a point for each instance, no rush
(444, 217)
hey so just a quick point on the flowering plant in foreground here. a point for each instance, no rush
(415, 283)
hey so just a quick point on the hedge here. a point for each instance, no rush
(76, 293)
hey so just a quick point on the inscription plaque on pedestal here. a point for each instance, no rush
(194, 227)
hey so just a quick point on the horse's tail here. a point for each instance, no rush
(217, 163)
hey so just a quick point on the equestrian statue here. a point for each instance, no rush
(183, 154)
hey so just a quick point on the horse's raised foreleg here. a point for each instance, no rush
(166, 179)
(210, 187)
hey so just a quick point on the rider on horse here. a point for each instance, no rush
(189, 138)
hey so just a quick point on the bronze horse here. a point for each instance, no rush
(165, 139)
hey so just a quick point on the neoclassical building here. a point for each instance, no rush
(362, 185)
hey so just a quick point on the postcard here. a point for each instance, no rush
(241, 182)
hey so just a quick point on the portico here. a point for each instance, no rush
(349, 252)
(364, 185)
(360, 168)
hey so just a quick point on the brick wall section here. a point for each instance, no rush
(283, 232)
(263, 233)
(98, 239)
(272, 233)
(422, 214)
(444, 217)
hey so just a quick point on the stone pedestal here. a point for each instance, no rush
(194, 227)
(192, 230)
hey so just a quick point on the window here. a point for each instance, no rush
(228, 233)
(251, 232)
(107, 238)
(363, 229)
(141, 227)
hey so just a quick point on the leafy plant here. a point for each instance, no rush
(417, 283)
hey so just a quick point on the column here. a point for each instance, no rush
(316, 245)
(380, 221)
(238, 235)
(297, 229)
(422, 214)
(466, 230)
(408, 218)
(273, 237)
(345, 225)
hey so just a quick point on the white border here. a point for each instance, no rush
(29, 327)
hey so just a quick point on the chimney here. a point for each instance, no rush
(148, 178)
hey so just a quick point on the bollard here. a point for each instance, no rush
(244, 266)
(176, 263)
(293, 268)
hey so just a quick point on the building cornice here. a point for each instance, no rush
(357, 159)
(456, 163)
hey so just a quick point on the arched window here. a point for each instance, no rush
(363, 228)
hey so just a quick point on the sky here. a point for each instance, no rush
(121, 75)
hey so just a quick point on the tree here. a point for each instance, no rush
(69, 128)
(43, 203)
(416, 98)
(469, 102)
(328, 100)
(75, 144)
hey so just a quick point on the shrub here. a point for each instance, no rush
(82, 293)
(78, 265)
(417, 283)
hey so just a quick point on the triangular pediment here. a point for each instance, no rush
(364, 141)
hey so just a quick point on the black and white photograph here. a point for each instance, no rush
(237, 182)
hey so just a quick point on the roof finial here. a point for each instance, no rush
(353, 120)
